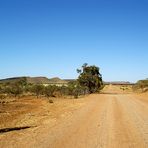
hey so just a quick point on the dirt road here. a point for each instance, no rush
(104, 121)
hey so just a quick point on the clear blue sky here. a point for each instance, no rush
(55, 37)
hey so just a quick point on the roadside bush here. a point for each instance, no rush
(1, 89)
(2, 96)
(60, 91)
(50, 90)
(16, 89)
(13, 89)
(75, 89)
(51, 101)
(37, 89)
(141, 85)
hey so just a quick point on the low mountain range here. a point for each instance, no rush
(55, 80)
(36, 80)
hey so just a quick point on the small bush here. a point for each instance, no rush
(49, 91)
(37, 89)
(51, 101)
(141, 85)
(2, 96)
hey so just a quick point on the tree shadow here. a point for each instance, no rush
(5, 130)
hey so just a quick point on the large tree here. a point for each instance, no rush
(90, 77)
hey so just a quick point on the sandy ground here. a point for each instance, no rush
(113, 119)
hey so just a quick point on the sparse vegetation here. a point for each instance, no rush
(51, 101)
(124, 88)
(141, 85)
(50, 90)
(89, 81)
(14, 89)
(37, 89)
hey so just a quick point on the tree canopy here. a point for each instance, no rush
(90, 77)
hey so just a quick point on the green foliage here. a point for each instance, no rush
(22, 82)
(141, 85)
(89, 81)
(50, 90)
(2, 96)
(15, 89)
(63, 90)
(90, 77)
(37, 89)
(75, 89)
(1, 88)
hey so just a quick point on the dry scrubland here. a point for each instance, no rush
(115, 118)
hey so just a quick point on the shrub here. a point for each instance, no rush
(37, 89)
(51, 101)
(14, 89)
(141, 85)
(50, 90)
(75, 89)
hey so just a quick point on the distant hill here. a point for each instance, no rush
(118, 83)
(69, 80)
(35, 80)
(11, 80)
(55, 80)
